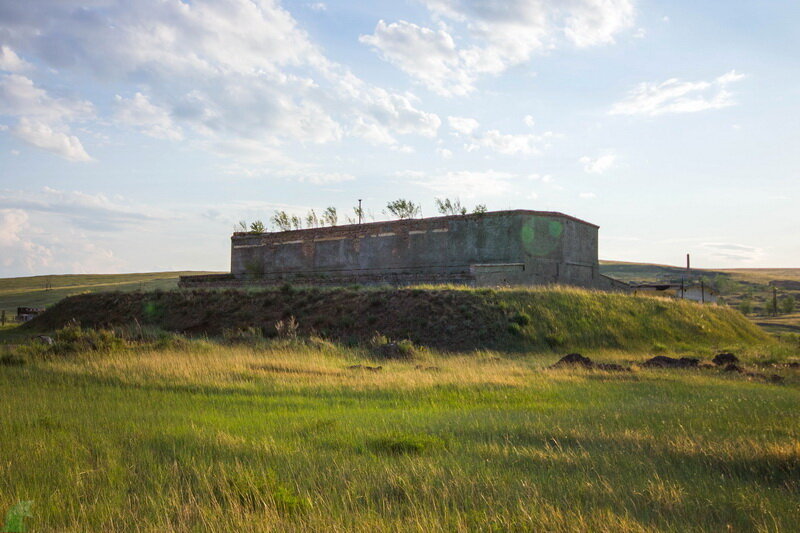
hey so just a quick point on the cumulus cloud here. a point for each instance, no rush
(227, 70)
(428, 55)
(11, 62)
(463, 125)
(500, 35)
(43, 136)
(503, 143)
(676, 96)
(444, 153)
(43, 119)
(599, 164)
(462, 183)
(155, 121)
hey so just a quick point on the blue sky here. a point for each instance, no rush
(134, 135)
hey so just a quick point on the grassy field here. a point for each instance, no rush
(282, 435)
(43, 291)
(145, 430)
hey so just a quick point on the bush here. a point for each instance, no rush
(400, 350)
(521, 318)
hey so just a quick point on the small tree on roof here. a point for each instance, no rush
(282, 220)
(450, 207)
(403, 209)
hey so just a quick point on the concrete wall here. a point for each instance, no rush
(504, 247)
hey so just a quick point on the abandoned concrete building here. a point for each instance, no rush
(517, 247)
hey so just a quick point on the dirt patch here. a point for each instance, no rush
(449, 320)
(662, 361)
(365, 367)
(577, 360)
(724, 359)
(293, 370)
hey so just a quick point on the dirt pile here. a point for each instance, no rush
(577, 360)
(662, 361)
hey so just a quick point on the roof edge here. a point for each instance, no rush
(440, 218)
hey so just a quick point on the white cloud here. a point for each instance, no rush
(732, 252)
(444, 153)
(42, 136)
(95, 212)
(598, 165)
(19, 253)
(463, 125)
(676, 96)
(501, 35)
(463, 183)
(503, 143)
(43, 119)
(427, 55)
(318, 6)
(226, 70)
(528, 120)
(11, 62)
(153, 120)
(20, 97)
(587, 195)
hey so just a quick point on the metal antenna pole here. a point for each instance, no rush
(359, 210)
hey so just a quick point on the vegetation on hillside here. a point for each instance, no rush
(454, 318)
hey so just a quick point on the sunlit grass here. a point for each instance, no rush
(284, 435)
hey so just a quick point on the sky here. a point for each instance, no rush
(135, 135)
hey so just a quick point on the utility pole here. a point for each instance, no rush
(359, 211)
(774, 300)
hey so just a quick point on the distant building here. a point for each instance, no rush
(27, 313)
(490, 249)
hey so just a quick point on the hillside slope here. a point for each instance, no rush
(445, 318)
(43, 291)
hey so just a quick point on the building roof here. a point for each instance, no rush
(367, 225)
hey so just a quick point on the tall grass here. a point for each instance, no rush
(283, 435)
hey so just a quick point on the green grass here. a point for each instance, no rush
(280, 435)
(43, 291)
(445, 317)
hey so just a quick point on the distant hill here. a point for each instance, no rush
(649, 272)
(43, 291)
(735, 285)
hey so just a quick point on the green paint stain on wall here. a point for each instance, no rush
(555, 228)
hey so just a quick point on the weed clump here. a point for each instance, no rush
(287, 328)
(248, 335)
(382, 348)
(73, 339)
(521, 319)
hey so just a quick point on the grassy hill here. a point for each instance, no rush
(452, 319)
(43, 291)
